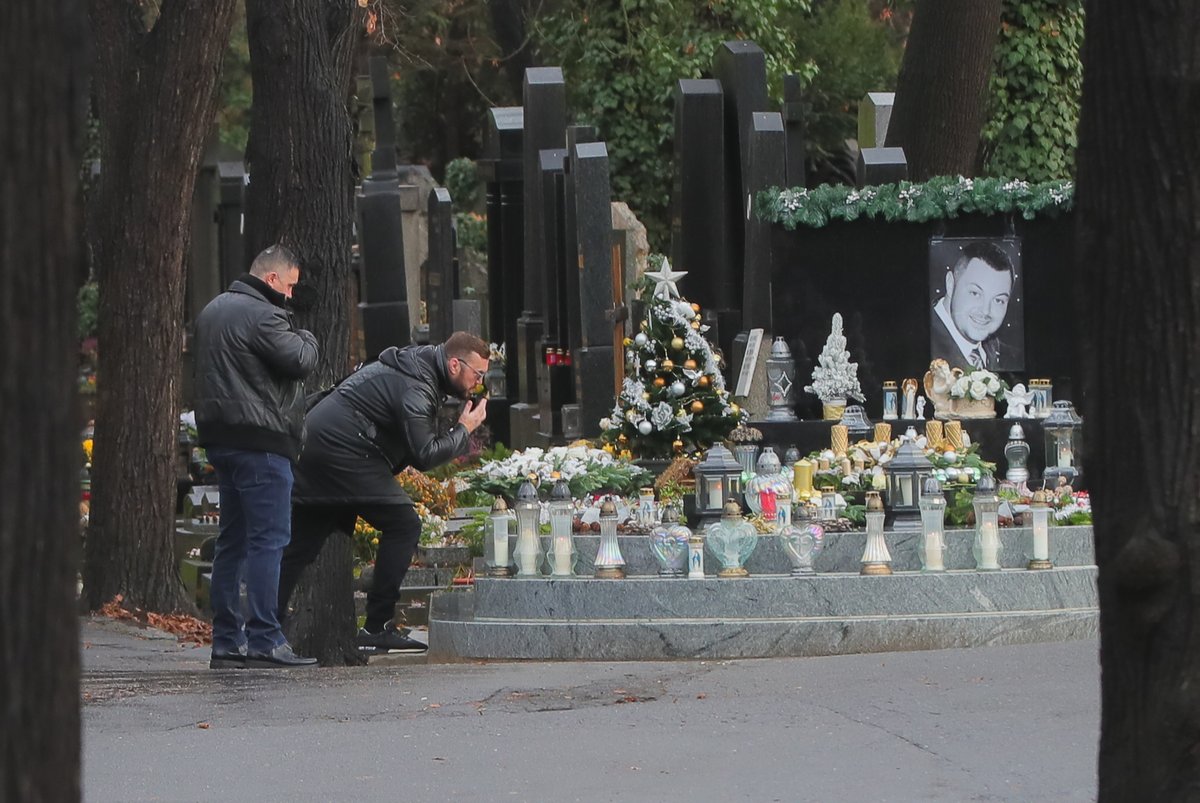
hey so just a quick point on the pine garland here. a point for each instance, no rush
(939, 198)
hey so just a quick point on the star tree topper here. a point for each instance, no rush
(665, 279)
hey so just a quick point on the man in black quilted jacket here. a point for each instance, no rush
(375, 423)
(250, 369)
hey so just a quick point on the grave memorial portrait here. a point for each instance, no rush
(976, 315)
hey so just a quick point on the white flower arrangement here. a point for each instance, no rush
(978, 385)
(584, 469)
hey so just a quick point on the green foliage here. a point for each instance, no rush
(88, 305)
(462, 181)
(854, 54)
(960, 507)
(233, 112)
(940, 197)
(1035, 90)
(622, 61)
(471, 533)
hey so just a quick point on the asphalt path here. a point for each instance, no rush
(1015, 723)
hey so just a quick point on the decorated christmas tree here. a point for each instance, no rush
(835, 378)
(674, 397)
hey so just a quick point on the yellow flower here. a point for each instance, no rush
(374, 542)
(87, 448)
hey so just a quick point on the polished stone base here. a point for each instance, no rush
(772, 612)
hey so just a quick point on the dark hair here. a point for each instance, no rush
(275, 258)
(987, 252)
(460, 344)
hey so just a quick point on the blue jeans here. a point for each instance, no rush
(256, 523)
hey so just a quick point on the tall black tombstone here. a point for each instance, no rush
(793, 126)
(571, 331)
(502, 170)
(699, 201)
(881, 166)
(603, 322)
(741, 67)
(764, 168)
(438, 276)
(545, 104)
(384, 309)
(553, 373)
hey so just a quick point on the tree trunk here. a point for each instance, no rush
(43, 52)
(301, 193)
(941, 91)
(1138, 219)
(155, 95)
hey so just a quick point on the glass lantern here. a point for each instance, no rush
(647, 510)
(529, 543)
(718, 479)
(1063, 427)
(987, 525)
(876, 559)
(495, 380)
(933, 527)
(906, 474)
(1043, 397)
(497, 552)
(610, 564)
(746, 455)
(1039, 511)
(1016, 452)
(561, 557)
(669, 544)
(801, 543)
(854, 419)
(731, 540)
(891, 401)
(768, 485)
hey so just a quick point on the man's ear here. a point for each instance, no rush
(949, 285)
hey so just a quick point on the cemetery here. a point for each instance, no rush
(766, 442)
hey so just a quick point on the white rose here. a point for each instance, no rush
(993, 385)
(978, 390)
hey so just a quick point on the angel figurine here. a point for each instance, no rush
(920, 408)
(908, 391)
(1018, 400)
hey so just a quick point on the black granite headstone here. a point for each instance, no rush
(793, 125)
(699, 201)
(554, 377)
(576, 134)
(764, 168)
(603, 322)
(439, 267)
(881, 166)
(383, 158)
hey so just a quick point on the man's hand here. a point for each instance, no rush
(473, 414)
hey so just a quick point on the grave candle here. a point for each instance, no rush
(989, 546)
(839, 437)
(802, 478)
(933, 552)
(766, 501)
(715, 499)
(954, 434)
(883, 432)
(933, 433)
(696, 557)
(562, 555)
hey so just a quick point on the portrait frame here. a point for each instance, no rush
(1004, 346)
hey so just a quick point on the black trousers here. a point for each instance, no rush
(399, 530)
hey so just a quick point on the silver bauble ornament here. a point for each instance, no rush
(645, 427)
(677, 388)
(640, 340)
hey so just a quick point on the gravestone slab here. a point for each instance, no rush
(545, 120)
(571, 334)
(764, 168)
(874, 114)
(439, 267)
(467, 316)
(794, 126)
(384, 324)
(383, 158)
(881, 166)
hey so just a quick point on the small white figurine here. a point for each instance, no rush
(1018, 400)
(920, 408)
(908, 389)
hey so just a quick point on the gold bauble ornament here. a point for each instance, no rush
(677, 445)
(697, 406)
(702, 381)
(735, 408)
(643, 327)
(667, 365)
(696, 324)
(690, 365)
(627, 342)
(659, 382)
(622, 438)
(695, 308)
(677, 343)
(646, 395)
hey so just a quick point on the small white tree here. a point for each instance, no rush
(834, 376)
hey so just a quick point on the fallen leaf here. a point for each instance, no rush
(701, 696)
(203, 725)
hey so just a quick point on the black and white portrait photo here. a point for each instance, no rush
(975, 303)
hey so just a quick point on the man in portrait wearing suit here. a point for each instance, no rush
(965, 321)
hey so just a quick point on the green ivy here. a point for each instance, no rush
(622, 61)
(940, 197)
(1035, 90)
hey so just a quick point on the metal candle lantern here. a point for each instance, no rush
(876, 559)
(561, 557)
(1016, 452)
(1063, 428)
(610, 564)
(496, 553)
(933, 527)
(495, 380)
(718, 478)
(731, 540)
(1039, 510)
(854, 418)
(529, 544)
(987, 525)
(906, 474)
(781, 382)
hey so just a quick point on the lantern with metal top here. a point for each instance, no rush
(529, 543)
(987, 525)
(610, 564)
(497, 554)
(1039, 511)
(561, 557)
(1016, 452)
(781, 382)
(768, 487)
(731, 540)
(906, 474)
(933, 527)
(1062, 428)
(718, 478)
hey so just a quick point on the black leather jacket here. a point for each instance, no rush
(379, 420)
(250, 370)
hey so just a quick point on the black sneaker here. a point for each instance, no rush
(390, 641)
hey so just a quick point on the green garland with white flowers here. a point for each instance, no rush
(939, 198)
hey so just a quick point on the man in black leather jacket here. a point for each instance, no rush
(250, 369)
(376, 422)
